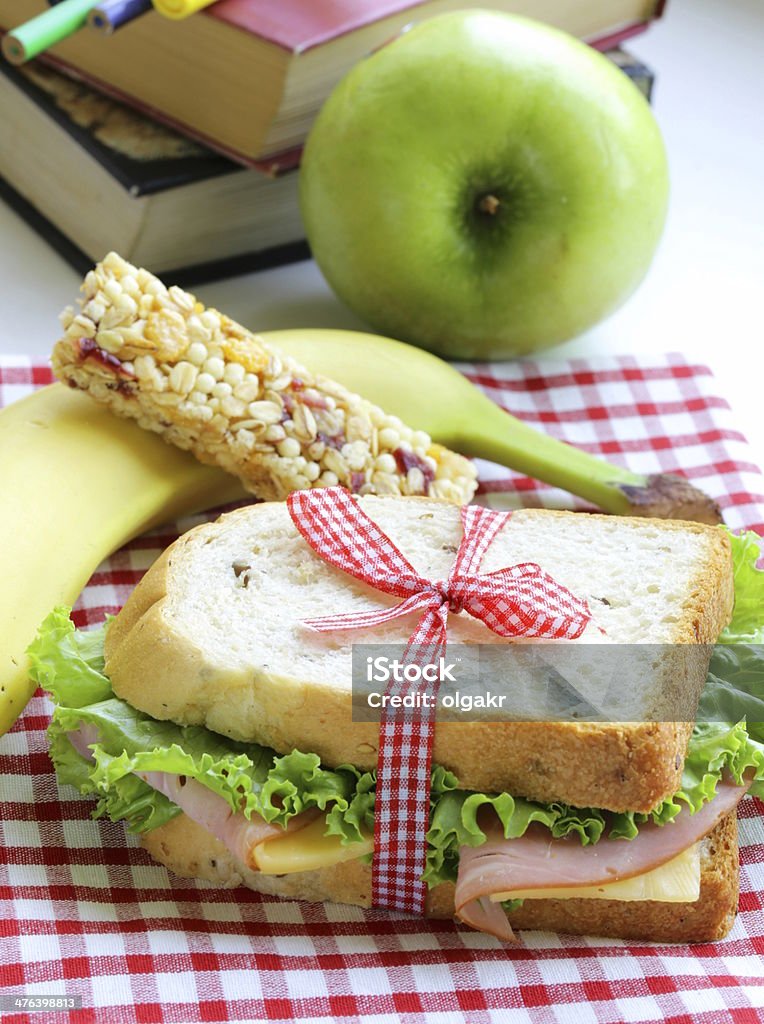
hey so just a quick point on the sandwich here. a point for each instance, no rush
(209, 719)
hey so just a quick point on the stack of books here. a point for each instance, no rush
(178, 143)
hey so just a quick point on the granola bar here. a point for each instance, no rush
(208, 385)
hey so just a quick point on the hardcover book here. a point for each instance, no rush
(113, 179)
(248, 76)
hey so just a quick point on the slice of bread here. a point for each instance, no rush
(192, 852)
(214, 636)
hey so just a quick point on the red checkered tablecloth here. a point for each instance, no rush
(84, 911)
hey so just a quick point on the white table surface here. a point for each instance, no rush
(703, 295)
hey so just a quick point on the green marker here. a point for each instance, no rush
(47, 29)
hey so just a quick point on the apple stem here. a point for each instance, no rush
(489, 204)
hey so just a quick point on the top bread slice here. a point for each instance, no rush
(213, 635)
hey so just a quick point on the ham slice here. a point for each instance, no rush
(536, 861)
(238, 834)
(484, 916)
(83, 739)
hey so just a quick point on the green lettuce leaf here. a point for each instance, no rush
(747, 624)
(68, 662)
(734, 689)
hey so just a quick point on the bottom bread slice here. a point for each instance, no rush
(191, 851)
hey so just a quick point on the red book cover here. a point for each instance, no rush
(300, 25)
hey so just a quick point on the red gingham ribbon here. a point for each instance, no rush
(519, 600)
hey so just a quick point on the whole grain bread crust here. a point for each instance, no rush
(618, 767)
(189, 850)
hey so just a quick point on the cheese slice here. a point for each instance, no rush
(676, 881)
(307, 850)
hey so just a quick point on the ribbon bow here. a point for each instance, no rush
(519, 600)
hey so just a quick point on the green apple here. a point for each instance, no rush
(484, 186)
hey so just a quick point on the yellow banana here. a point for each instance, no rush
(77, 483)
